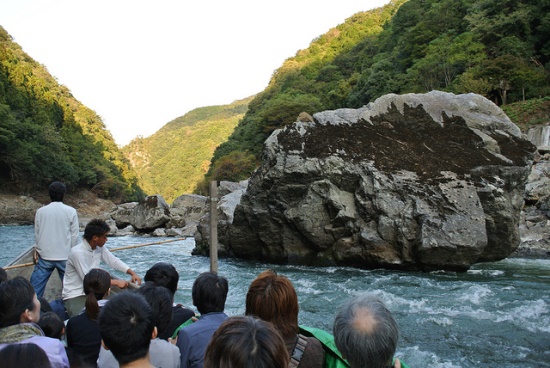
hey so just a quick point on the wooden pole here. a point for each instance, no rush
(145, 245)
(112, 250)
(214, 226)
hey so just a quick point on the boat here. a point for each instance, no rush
(23, 266)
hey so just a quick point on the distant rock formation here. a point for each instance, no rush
(417, 181)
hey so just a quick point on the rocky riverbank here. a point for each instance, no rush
(20, 210)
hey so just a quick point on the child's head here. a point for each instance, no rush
(52, 325)
(126, 326)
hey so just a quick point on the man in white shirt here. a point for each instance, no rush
(56, 231)
(85, 256)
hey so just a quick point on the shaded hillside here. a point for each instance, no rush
(173, 161)
(46, 134)
(500, 50)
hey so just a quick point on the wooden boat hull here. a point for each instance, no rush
(25, 266)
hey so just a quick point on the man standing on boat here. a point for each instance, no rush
(87, 255)
(56, 231)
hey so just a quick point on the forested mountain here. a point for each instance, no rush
(499, 49)
(46, 134)
(174, 160)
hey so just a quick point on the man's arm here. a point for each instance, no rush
(74, 229)
(117, 264)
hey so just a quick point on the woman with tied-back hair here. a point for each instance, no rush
(273, 298)
(83, 330)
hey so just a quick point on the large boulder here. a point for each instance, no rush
(123, 214)
(417, 181)
(151, 213)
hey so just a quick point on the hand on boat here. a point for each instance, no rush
(135, 278)
(121, 284)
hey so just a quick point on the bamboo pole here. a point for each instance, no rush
(19, 266)
(214, 226)
(145, 244)
(112, 250)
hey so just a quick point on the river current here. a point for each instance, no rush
(495, 315)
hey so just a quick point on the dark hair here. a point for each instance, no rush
(26, 355)
(126, 326)
(16, 296)
(163, 274)
(160, 300)
(57, 191)
(52, 325)
(246, 342)
(365, 332)
(273, 298)
(3, 275)
(96, 227)
(96, 284)
(209, 292)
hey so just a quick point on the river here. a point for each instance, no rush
(495, 315)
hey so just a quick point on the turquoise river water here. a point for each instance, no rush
(494, 315)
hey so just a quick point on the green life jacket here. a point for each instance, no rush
(333, 358)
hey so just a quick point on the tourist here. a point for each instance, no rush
(52, 325)
(87, 255)
(209, 294)
(19, 313)
(165, 274)
(273, 298)
(366, 333)
(126, 325)
(24, 356)
(83, 330)
(56, 231)
(246, 342)
(161, 352)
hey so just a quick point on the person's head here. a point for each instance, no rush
(365, 332)
(96, 232)
(52, 325)
(97, 283)
(160, 300)
(246, 342)
(57, 191)
(25, 355)
(18, 302)
(273, 298)
(163, 274)
(3, 275)
(209, 292)
(127, 326)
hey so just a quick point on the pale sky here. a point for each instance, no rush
(140, 64)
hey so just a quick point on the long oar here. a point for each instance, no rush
(112, 250)
(145, 244)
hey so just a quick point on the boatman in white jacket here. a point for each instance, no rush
(85, 256)
(56, 231)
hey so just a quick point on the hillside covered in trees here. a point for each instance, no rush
(46, 134)
(174, 160)
(499, 49)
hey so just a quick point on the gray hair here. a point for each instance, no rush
(365, 332)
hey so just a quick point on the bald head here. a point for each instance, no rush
(365, 332)
(364, 321)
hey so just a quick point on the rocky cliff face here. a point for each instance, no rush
(423, 182)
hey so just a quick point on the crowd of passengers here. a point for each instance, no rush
(145, 328)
